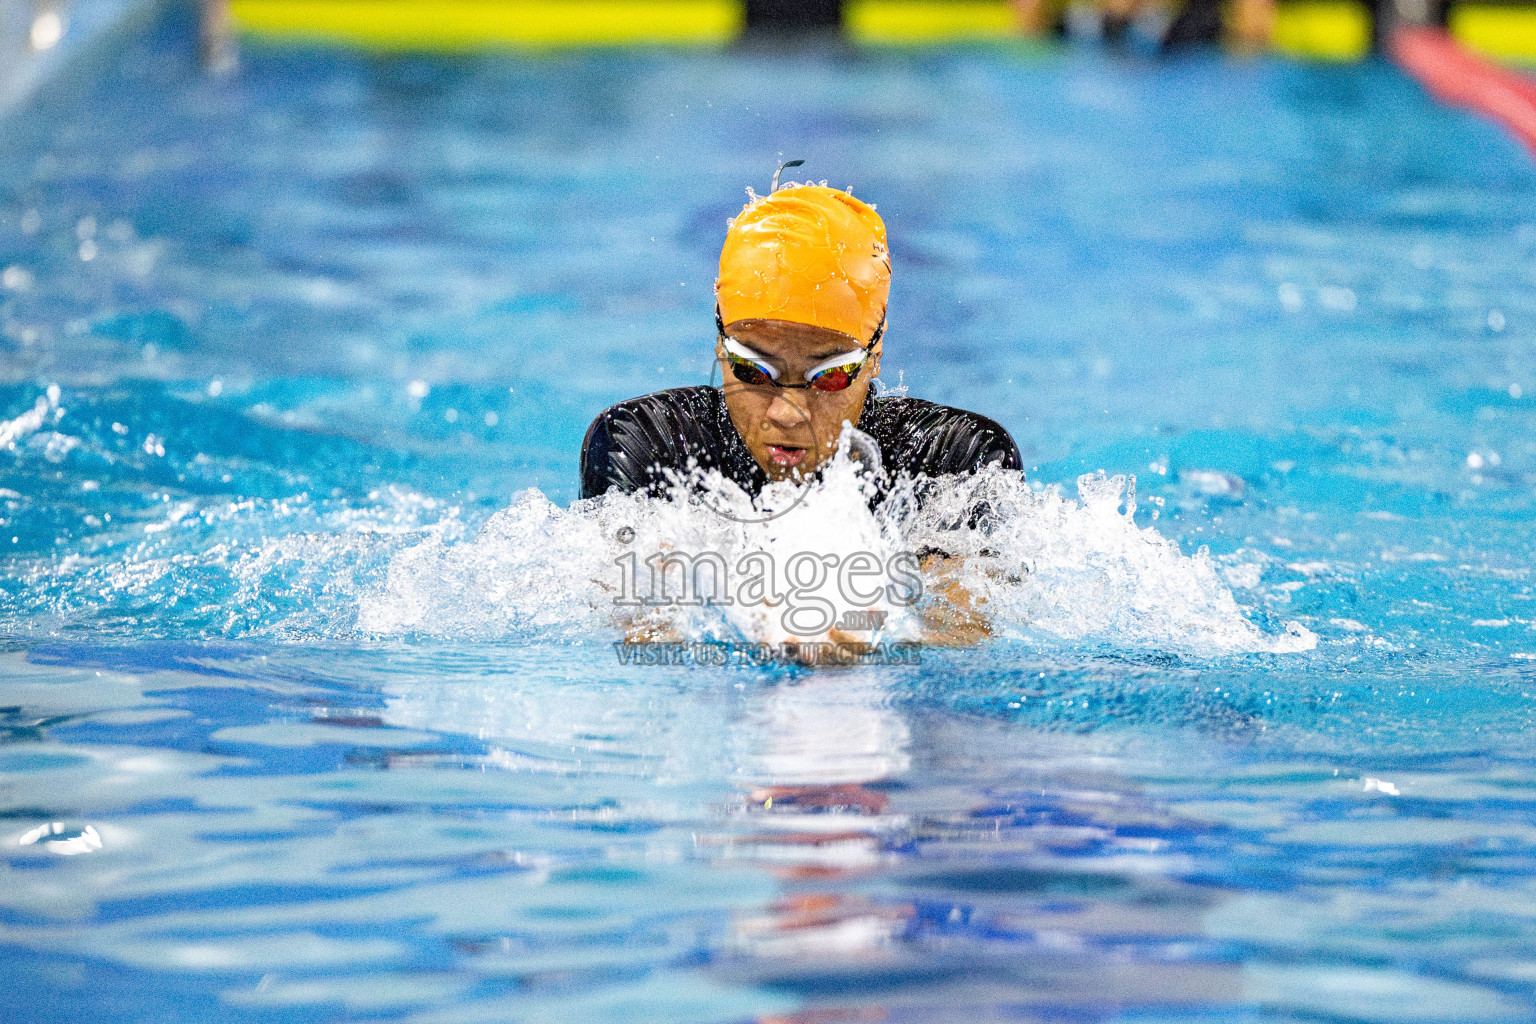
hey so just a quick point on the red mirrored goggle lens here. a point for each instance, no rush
(838, 378)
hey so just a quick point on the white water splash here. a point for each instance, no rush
(284, 568)
(45, 409)
(1089, 572)
(1041, 565)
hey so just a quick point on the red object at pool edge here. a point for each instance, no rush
(1454, 75)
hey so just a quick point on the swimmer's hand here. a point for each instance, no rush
(649, 631)
(952, 617)
(848, 646)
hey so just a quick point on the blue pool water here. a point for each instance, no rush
(325, 703)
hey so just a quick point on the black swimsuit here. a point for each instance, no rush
(633, 445)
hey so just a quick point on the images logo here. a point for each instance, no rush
(863, 580)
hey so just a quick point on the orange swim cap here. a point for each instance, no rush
(810, 255)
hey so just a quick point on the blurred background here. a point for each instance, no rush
(1316, 29)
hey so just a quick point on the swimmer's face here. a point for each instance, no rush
(792, 432)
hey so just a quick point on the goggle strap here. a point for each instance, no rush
(878, 330)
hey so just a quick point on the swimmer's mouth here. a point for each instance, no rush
(785, 455)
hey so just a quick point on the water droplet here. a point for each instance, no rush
(47, 30)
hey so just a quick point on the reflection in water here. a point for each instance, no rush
(832, 729)
(812, 752)
(60, 840)
(1027, 877)
(511, 839)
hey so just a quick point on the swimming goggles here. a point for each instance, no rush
(836, 374)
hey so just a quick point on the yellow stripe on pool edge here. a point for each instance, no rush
(488, 24)
(1323, 31)
(1315, 29)
(491, 24)
(1508, 33)
(911, 22)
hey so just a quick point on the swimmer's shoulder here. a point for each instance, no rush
(632, 444)
(924, 438)
(674, 406)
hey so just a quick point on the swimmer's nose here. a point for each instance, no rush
(785, 415)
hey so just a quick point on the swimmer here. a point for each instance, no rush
(800, 320)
